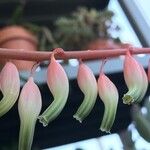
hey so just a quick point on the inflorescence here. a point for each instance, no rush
(30, 101)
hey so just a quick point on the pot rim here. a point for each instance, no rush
(17, 32)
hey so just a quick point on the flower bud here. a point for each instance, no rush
(10, 87)
(88, 85)
(29, 107)
(59, 86)
(109, 95)
(136, 80)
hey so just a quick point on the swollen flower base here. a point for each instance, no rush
(10, 87)
(29, 107)
(30, 102)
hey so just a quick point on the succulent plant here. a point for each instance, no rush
(71, 32)
(83, 26)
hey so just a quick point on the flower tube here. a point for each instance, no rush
(10, 87)
(136, 80)
(29, 107)
(148, 74)
(59, 86)
(88, 85)
(109, 95)
(145, 85)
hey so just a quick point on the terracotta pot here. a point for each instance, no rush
(105, 44)
(17, 37)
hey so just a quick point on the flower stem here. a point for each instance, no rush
(38, 56)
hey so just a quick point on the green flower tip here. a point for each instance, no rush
(43, 120)
(78, 118)
(104, 130)
(127, 99)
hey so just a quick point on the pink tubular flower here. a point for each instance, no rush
(109, 95)
(29, 107)
(59, 86)
(136, 80)
(10, 87)
(148, 74)
(88, 86)
(145, 84)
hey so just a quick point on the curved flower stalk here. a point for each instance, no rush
(59, 86)
(10, 87)
(136, 80)
(29, 107)
(109, 95)
(88, 85)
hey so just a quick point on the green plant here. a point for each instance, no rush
(141, 122)
(140, 119)
(83, 26)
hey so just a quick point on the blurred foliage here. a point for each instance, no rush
(74, 31)
(141, 121)
(147, 106)
(126, 138)
(83, 26)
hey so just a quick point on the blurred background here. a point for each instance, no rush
(78, 25)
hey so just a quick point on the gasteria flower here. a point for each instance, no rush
(109, 95)
(88, 86)
(10, 87)
(136, 80)
(29, 107)
(148, 74)
(59, 86)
